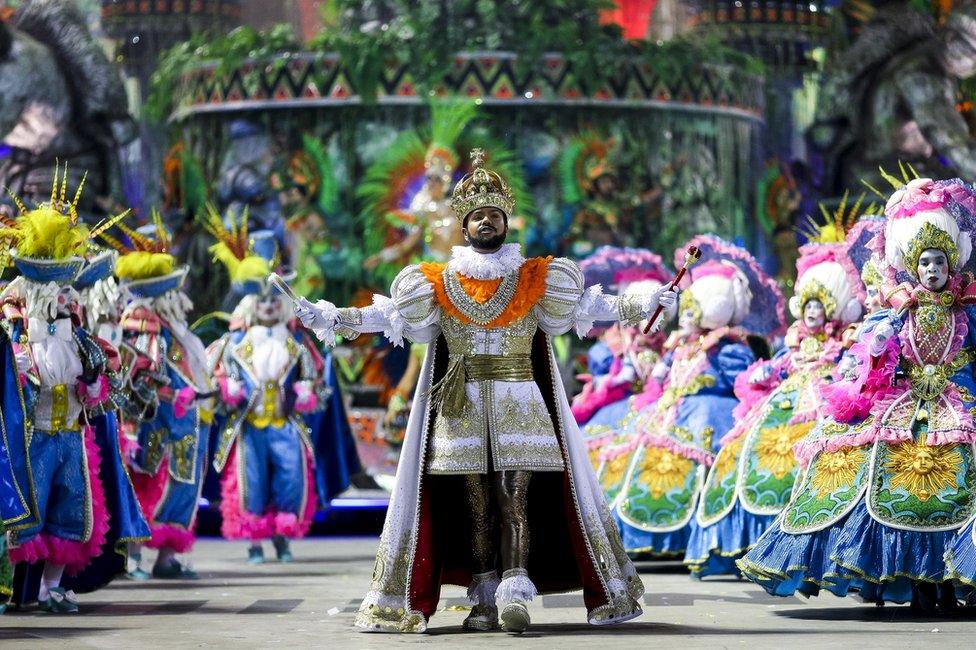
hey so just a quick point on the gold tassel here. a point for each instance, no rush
(448, 394)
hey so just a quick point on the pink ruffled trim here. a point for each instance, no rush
(240, 524)
(73, 554)
(183, 400)
(91, 395)
(149, 490)
(681, 449)
(169, 536)
(847, 400)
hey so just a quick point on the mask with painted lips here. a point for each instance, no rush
(933, 269)
(814, 315)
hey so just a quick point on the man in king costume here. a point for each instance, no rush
(491, 432)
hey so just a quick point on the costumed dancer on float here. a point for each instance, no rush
(53, 404)
(729, 301)
(169, 430)
(268, 379)
(883, 494)
(491, 432)
(753, 474)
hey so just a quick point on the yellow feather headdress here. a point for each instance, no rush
(233, 248)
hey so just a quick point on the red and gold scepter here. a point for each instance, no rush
(692, 255)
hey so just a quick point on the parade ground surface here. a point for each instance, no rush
(312, 603)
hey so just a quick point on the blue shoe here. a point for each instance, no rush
(255, 555)
(60, 601)
(282, 549)
(138, 575)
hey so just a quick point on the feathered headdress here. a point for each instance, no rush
(825, 271)
(587, 157)
(145, 265)
(234, 249)
(922, 214)
(50, 241)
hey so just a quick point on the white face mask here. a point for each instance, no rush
(872, 301)
(814, 314)
(268, 310)
(933, 269)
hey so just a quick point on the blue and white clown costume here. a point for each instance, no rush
(269, 379)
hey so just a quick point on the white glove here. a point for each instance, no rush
(760, 374)
(660, 371)
(882, 332)
(310, 317)
(320, 318)
(665, 296)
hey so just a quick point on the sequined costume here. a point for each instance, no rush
(491, 411)
(60, 395)
(268, 380)
(887, 486)
(655, 479)
(166, 363)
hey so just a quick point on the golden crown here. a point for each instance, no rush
(480, 188)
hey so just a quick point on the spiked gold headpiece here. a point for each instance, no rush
(480, 188)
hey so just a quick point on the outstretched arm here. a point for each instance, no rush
(409, 313)
(567, 304)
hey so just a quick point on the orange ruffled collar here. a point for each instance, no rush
(529, 290)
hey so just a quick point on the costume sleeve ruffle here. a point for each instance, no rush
(410, 312)
(567, 305)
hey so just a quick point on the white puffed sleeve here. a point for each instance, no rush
(410, 312)
(566, 304)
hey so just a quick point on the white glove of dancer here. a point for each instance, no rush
(760, 374)
(847, 366)
(320, 318)
(666, 297)
(882, 332)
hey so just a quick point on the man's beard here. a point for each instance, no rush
(488, 242)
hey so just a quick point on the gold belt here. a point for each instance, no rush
(498, 367)
(448, 395)
(265, 421)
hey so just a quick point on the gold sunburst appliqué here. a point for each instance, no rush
(728, 458)
(663, 470)
(613, 471)
(775, 447)
(837, 470)
(922, 470)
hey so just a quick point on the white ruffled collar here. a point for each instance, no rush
(486, 266)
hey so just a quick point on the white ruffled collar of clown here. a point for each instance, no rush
(486, 266)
